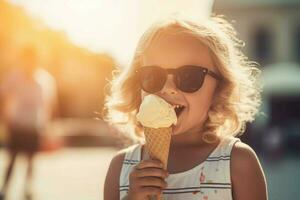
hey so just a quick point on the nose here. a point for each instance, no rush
(169, 87)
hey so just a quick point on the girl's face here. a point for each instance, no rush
(173, 52)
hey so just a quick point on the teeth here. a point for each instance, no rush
(177, 106)
(178, 109)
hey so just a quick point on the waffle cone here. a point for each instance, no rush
(158, 144)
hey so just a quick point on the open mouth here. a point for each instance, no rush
(179, 109)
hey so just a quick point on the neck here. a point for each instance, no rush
(187, 139)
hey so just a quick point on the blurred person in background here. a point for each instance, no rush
(28, 99)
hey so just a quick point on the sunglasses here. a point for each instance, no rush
(188, 78)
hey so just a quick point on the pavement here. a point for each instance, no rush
(69, 173)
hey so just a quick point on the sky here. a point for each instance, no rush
(110, 26)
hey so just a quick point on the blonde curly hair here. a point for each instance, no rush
(238, 97)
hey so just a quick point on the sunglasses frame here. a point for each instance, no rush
(175, 71)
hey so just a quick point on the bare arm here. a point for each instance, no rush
(247, 175)
(111, 185)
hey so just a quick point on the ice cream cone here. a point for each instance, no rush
(158, 144)
(157, 117)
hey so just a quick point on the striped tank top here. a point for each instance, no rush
(210, 180)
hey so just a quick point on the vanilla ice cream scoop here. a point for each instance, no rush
(155, 112)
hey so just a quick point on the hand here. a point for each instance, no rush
(146, 179)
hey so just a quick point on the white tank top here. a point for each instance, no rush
(210, 180)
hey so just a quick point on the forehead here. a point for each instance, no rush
(172, 51)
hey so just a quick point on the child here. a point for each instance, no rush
(216, 88)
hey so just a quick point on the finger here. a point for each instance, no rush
(149, 163)
(151, 190)
(152, 181)
(154, 172)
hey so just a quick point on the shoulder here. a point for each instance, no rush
(111, 184)
(247, 174)
(116, 162)
(243, 154)
(120, 155)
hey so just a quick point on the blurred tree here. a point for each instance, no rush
(80, 74)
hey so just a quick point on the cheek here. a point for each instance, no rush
(199, 108)
(200, 102)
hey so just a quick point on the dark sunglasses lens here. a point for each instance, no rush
(189, 79)
(152, 79)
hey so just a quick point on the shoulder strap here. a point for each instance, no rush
(133, 153)
(225, 147)
(131, 158)
(230, 143)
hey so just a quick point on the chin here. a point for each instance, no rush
(177, 131)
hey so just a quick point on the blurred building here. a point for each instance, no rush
(270, 28)
(271, 32)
